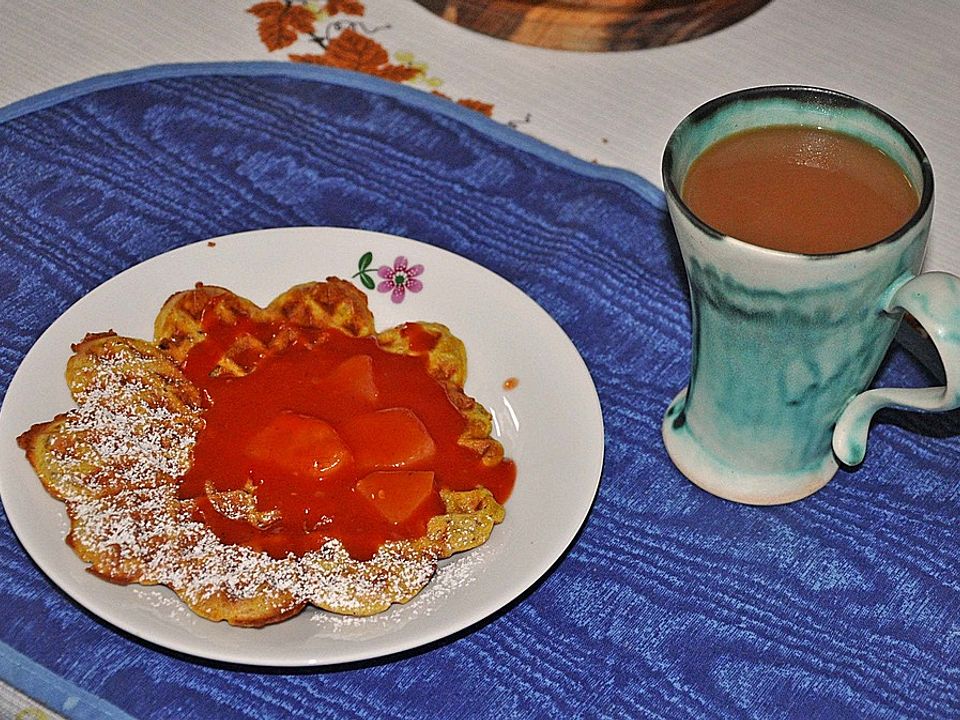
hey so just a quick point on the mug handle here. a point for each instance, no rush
(933, 298)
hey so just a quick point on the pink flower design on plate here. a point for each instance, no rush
(400, 278)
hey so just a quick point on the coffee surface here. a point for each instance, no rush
(799, 189)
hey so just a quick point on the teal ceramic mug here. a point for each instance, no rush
(784, 344)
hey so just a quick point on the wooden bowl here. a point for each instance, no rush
(594, 25)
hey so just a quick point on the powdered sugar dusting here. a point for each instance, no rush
(125, 431)
(453, 576)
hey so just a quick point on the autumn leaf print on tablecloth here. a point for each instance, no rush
(346, 42)
(348, 7)
(478, 105)
(281, 24)
(352, 51)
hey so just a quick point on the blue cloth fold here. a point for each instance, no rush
(671, 603)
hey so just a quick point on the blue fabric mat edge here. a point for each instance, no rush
(369, 83)
(52, 691)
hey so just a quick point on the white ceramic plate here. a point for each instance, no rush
(550, 423)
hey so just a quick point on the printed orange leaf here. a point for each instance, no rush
(479, 106)
(280, 24)
(309, 58)
(397, 73)
(347, 7)
(352, 51)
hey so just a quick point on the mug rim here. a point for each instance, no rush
(798, 93)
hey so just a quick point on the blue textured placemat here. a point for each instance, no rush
(671, 603)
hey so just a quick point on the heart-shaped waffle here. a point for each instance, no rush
(118, 458)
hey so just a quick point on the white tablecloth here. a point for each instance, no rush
(615, 108)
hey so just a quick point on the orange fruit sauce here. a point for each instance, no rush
(336, 437)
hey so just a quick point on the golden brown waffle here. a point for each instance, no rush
(115, 460)
(334, 303)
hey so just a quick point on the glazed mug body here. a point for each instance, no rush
(783, 342)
